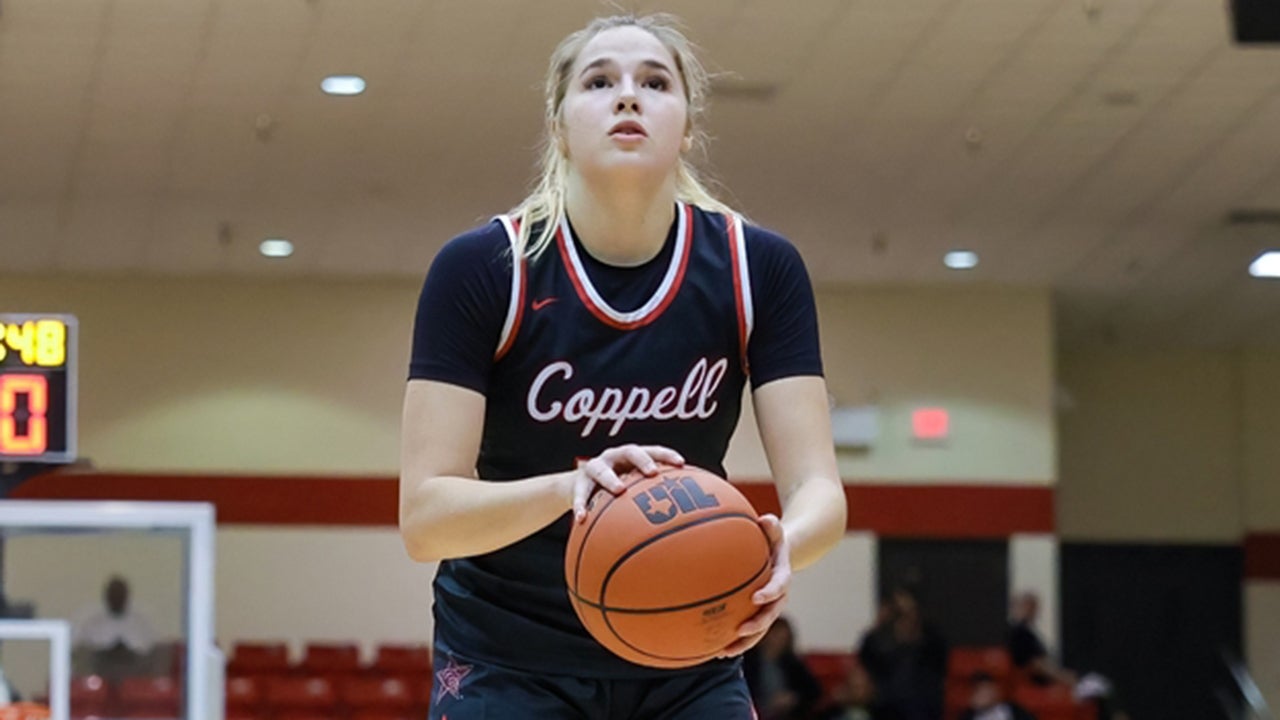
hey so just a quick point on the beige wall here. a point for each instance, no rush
(985, 355)
(305, 377)
(1259, 395)
(1149, 447)
(250, 376)
(1176, 446)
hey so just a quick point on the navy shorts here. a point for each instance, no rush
(469, 690)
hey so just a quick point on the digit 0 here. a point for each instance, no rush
(36, 388)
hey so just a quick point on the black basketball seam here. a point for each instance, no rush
(605, 610)
(670, 608)
(605, 614)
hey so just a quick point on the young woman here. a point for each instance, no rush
(609, 323)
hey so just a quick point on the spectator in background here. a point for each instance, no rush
(1027, 650)
(1031, 657)
(988, 703)
(782, 686)
(906, 658)
(855, 698)
(117, 638)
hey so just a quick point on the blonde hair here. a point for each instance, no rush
(544, 207)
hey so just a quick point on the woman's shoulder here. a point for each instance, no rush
(758, 238)
(481, 247)
(482, 238)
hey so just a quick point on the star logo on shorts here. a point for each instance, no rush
(449, 680)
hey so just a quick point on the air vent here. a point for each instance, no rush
(1253, 216)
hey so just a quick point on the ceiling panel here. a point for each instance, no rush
(1090, 146)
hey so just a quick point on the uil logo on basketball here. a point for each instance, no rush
(662, 503)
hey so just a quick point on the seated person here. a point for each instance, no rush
(782, 686)
(1031, 657)
(1027, 650)
(906, 658)
(117, 639)
(988, 703)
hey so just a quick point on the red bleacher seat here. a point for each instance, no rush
(956, 699)
(258, 658)
(329, 714)
(383, 714)
(330, 659)
(963, 662)
(402, 660)
(150, 697)
(420, 689)
(300, 695)
(245, 692)
(391, 694)
(1052, 702)
(831, 671)
(90, 696)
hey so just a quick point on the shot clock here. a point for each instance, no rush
(37, 388)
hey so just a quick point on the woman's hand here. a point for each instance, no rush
(772, 597)
(604, 469)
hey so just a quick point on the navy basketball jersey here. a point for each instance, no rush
(574, 375)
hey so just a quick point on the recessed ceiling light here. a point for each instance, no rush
(276, 248)
(960, 259)
(1266, 265)
(343, 85)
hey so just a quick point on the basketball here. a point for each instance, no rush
(662, 575)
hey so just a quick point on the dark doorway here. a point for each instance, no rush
(963, 584)
(1155, 619)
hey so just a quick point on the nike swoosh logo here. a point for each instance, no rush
(539, 304)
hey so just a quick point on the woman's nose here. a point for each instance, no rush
(627, 98)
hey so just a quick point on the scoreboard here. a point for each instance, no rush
(37, 388)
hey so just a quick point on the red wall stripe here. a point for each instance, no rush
(968, 511)
(240, 499)
(1262, 556)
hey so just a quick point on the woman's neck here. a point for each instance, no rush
(620, 225)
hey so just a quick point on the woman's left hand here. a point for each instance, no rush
(771, 597)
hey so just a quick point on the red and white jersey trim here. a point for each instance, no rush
(741, 282)
(515, 307)
(661, 297)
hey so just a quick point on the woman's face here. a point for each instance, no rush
(624, 108)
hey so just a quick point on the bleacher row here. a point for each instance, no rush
(329, 682)
(1053, 702)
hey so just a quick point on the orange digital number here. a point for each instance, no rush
(36, 439)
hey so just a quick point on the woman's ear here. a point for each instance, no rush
(686, 143)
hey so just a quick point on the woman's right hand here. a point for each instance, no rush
(605, 468)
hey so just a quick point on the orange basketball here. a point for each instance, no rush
(663, 574)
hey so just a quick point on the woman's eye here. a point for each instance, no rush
(597, 82)
(657, 83)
